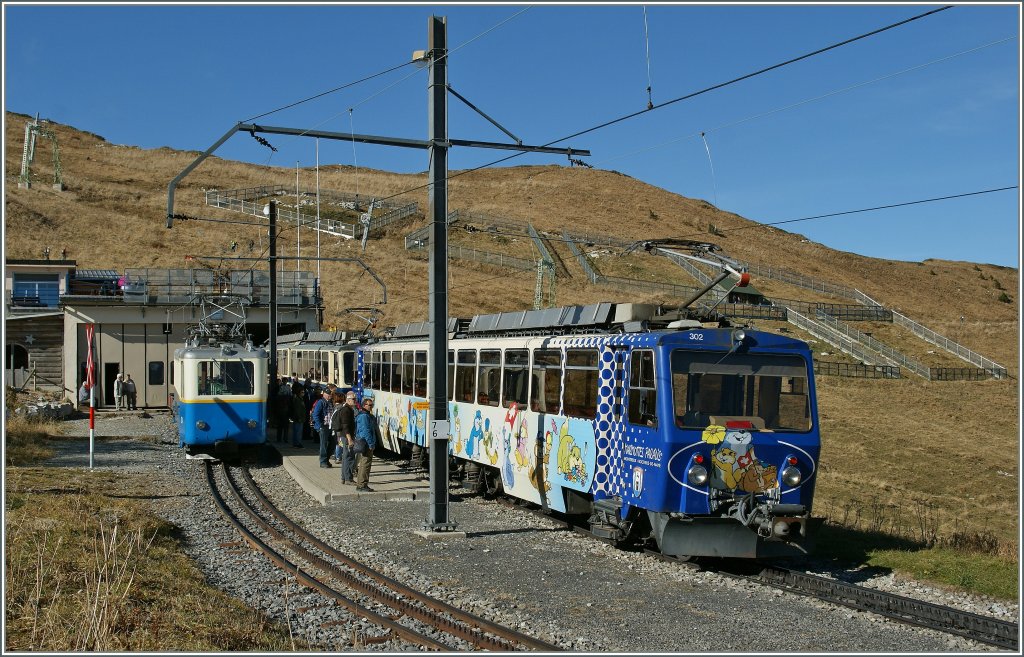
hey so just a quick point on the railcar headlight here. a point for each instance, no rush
(791, 476)
(252, 424)
(697, 475)
(738, 336)
(202, 426)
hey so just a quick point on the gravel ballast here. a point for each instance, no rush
(513, 567)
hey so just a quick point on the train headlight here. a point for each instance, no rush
(791, 476)
(252, 424)
(202, 426)
(697, 475)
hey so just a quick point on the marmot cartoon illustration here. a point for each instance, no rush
(490, 449)
(570, 460)
(758, 478)
(723, 477)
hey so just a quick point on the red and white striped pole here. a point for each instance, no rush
(90, 329)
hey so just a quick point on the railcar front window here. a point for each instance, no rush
(225, 377)
(770, 392)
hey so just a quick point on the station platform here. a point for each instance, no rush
(387, 479)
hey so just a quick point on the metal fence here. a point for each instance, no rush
(967, 373)
(856, 370)
(539, 243)
(952, 347)
(488, 258)
(799, 280)
(835, 338)
(843, 311)
(344, 199)
(887, 352)
(581, 257)
(144, 285)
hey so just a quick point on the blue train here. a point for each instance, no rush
(220, 394)
(702, 439)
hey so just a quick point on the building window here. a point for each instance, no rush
(36, 290)
(156, 373)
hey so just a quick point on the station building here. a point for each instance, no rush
(140, 315)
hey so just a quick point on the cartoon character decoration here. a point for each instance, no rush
(457, 433)
(490, 448)
(570, 460)
(476, 435)
(508, 432)
(735, 465)
(522, 446)
(538, 470)
(638, 480)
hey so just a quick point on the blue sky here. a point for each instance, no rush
(926, 110)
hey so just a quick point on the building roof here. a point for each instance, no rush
(47, 263)
(97, 274)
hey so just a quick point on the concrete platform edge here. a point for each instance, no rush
(317, 493)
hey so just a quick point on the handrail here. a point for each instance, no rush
(885, 350)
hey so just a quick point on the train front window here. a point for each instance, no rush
(769, 392)
(225, 377)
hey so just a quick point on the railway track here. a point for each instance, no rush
(415, 618)
(984, 629)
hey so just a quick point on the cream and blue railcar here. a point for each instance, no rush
(220, 397)
(704, 438)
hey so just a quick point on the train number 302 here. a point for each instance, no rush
(697, 336)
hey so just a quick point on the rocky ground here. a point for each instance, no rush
(513, 567)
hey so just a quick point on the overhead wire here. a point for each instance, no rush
(685, 97)
(834, 92)
(647, 44)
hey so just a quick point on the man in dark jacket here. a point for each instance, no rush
(343, 425)
(321, 422)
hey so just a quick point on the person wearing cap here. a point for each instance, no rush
(321, 423)
(367, 438)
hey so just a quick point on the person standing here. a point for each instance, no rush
(83, 396)
(321, 422)
(129, 390)
(367, 437)
(299, 415)
(282, 409)
(344, 426)
(118, 391)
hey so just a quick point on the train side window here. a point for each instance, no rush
(643, 394)
(407, 372)
(368, 369)
(451, 374)
(515, 379)
(396, 371)
(347, 374)
(618, 383)
(465, 376)
(489, 377)
(375, 366)
(420, 375)
(581, 382)
(547, 381)
(385, 370)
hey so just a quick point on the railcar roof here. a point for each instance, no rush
(237, 351)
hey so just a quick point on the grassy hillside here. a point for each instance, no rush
(905, 442)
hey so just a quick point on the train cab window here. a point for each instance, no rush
(465, 376)
(643, 395)
(515, 376)
(769, 392)
(488, 388)
(225, 377)
(451, 373)
(407, 372)
(547, 381)
(581, 383)
(420, 375)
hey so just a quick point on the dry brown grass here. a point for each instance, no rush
(905, 440)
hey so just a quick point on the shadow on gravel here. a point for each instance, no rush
(519, 530)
